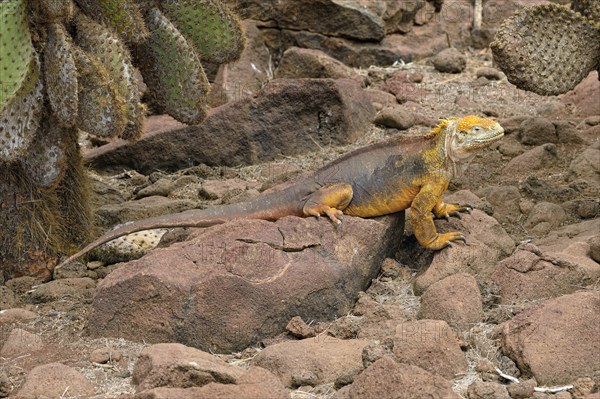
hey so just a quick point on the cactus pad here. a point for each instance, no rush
(20, 119)
(61, 75)
(547, 49)
(129, 247)
(105, 45)
(45, 159)
(213, 30)
(16, 50)
(589, 9)
(102, 109)
(172, 71)
(123, 16)
(146, 5)
(52, 11)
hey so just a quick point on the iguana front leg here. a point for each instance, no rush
(422, 220)
(441, 210)
(329, 200)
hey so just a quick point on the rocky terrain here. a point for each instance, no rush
(300, 308)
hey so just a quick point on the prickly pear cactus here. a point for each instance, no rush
(173, 71)
(16, 50)
(105, 46)
(549, 49)
(121, 15)
(61, 75)
(588, 8)
(70, 65)
(21, 115)
(212, 29)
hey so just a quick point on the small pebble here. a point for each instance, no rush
(299, 329)
(5, 385)
(450, 60)
(303, 378)
(583, 386)
(396, 118)
(489, 73)
(522, 390)
(491, 112)
(94, 265)
(105, 355)
(593, 120)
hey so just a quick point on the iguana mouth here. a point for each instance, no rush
(494, 137)
(490, 139)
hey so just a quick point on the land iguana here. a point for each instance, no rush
(379, 179)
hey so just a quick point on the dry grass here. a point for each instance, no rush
(481, 345)
(404, 297)
(111, 382)
(325, 391)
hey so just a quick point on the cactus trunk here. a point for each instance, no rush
(41, 223)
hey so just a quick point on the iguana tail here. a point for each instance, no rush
(267, 207)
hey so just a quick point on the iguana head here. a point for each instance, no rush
(469, 134)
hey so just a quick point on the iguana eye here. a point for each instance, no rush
(477, 129)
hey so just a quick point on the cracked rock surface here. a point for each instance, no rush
(230, 286)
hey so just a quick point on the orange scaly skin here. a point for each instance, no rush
(407, 172)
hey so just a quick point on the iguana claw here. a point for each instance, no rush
(449, 244)
(456, 214)
(445, 211)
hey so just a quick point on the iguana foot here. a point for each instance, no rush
(444, 211)
(335, 215)
(444, 240)
(329, 200)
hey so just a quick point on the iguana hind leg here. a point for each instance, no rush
(329, 200)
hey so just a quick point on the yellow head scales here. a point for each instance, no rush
(468, 122)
